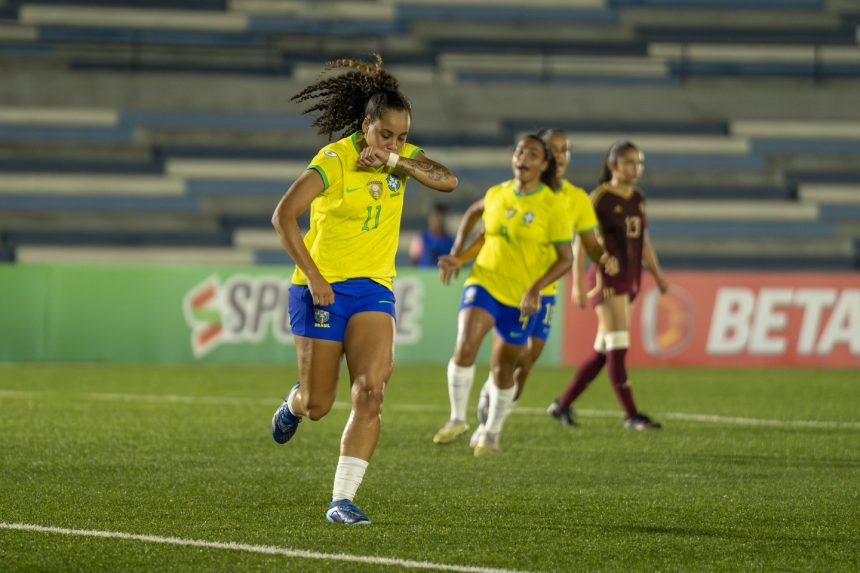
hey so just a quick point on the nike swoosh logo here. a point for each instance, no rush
(352, 189)
(385, 302)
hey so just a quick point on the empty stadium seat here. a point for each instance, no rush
(179, 112)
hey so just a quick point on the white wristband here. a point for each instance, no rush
(392, 159)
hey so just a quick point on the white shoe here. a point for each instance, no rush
(476, 435)
(488, 445)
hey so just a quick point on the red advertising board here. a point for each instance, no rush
(735, 319)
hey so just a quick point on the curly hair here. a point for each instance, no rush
(343, 101)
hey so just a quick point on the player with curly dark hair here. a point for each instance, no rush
(341, 300)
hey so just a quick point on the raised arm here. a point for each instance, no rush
(421, 168)
(296, 201)
(651, 262)
(427, 172)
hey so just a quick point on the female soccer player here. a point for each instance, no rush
(525, 246)
(341, 300)
(620, 208)
(584, 224)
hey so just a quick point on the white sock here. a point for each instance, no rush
(489, 383)
(347, 478)
(485, 390)
(501, 403)
(290, 401)
(459, 385)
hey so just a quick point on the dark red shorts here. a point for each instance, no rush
(601, 287)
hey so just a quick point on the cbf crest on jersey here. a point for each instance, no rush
(375, 189)
(528, 217)
(321, 318)
(393, 185)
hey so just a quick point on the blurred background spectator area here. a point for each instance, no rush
(162, 131)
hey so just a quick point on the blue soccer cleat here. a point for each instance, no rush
(284, 422)
(346, 512)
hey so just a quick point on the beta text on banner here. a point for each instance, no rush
(736, 319)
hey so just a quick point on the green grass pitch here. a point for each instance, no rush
(755, 470)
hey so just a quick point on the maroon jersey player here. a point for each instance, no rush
(621, 214)
(620, 208)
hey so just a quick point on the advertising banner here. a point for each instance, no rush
(239, 315)
(735, 319)
(170, 314)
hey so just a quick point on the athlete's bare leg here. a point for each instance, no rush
(613, 314)
(504, 361)
(473, 323)
(319, 368)
(369, 347)
(528, 357)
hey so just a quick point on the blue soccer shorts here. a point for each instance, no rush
(543, 318)
(350, 297)
(509, 324)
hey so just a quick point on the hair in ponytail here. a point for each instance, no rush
(343, 101)
(615, 151)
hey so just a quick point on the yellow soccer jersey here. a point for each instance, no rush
(355, 221)
(520, 236)
(582, 215)
(581, 210)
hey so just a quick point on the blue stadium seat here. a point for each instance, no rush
(219, 158)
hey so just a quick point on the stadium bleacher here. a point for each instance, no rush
(163, 131)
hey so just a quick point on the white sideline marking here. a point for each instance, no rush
(264, 549)
(715, 419)
(682, 416)
(759, 422)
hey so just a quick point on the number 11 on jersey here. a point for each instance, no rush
(370, 215)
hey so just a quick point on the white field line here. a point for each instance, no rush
(714, 419)
(234, 401)
(263, 549)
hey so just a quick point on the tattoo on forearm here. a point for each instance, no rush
(433, 171)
